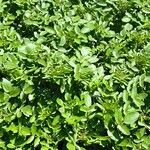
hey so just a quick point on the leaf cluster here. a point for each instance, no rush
(74, 74)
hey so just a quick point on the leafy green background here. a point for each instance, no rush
(75, 74)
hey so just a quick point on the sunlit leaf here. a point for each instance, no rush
(7, 86)
(27, 110)
(70, 146)
(30, 139)
(131, 117)
(124, 129)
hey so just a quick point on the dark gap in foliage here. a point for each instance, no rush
(102, 56)
(147, 130)
(51, 24)
(7, 136)
(107, 39)
(37, 148)
(117, 22)
(134, 24)
(25, 31)
(81, 143)
(50, 9)
(23, 120)
(75, 2)
(47, 88)
(13, 8)
(17, 22)
(132, 104)
(3, 75)
(106, 146)
(20, 140)
(147, 101)
(65, 128)
(62, 145)
(117, 87)
(94, 147)
(77, 88)
(76, 111)
(131, 44)
(1, 19)
(97, 125)
(64, 133)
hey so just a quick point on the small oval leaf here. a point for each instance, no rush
(131, 118)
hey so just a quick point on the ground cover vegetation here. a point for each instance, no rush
(75, 74)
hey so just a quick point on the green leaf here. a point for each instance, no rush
(131, 117)
(30, 47)
(36, 142)
(126, 107)
(85, 29)
(93, 59)
(134, 91)
(73, 71)
(15, 92)
(126, 19)
(42, 62)
(11, 65)
(72, 119)
(88, 16)
(56, 120)
(118, 116)
(146, 10)
(124, 129)
(85, 50)
(112, 135)
(60, 102)
(138, 102)
(141, 80)
(25, 131)
(6, 97)
(128, 27)
(126, 143)
(2, 97)
(49, 30)
(27, 89)
(30, 139)
(32, 119)
(11, 146)
(33, 129)
(140, 133)
(70, 146)
(19, 114)
(13, 128)
(77, 30)
(44, 148)
(87, 99)
(27, 110)
(2, 144)
(1, 133)
(147, 79)
(125, 96)
(62, 41)
(7, 86)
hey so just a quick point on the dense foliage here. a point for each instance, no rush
(75, 74)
